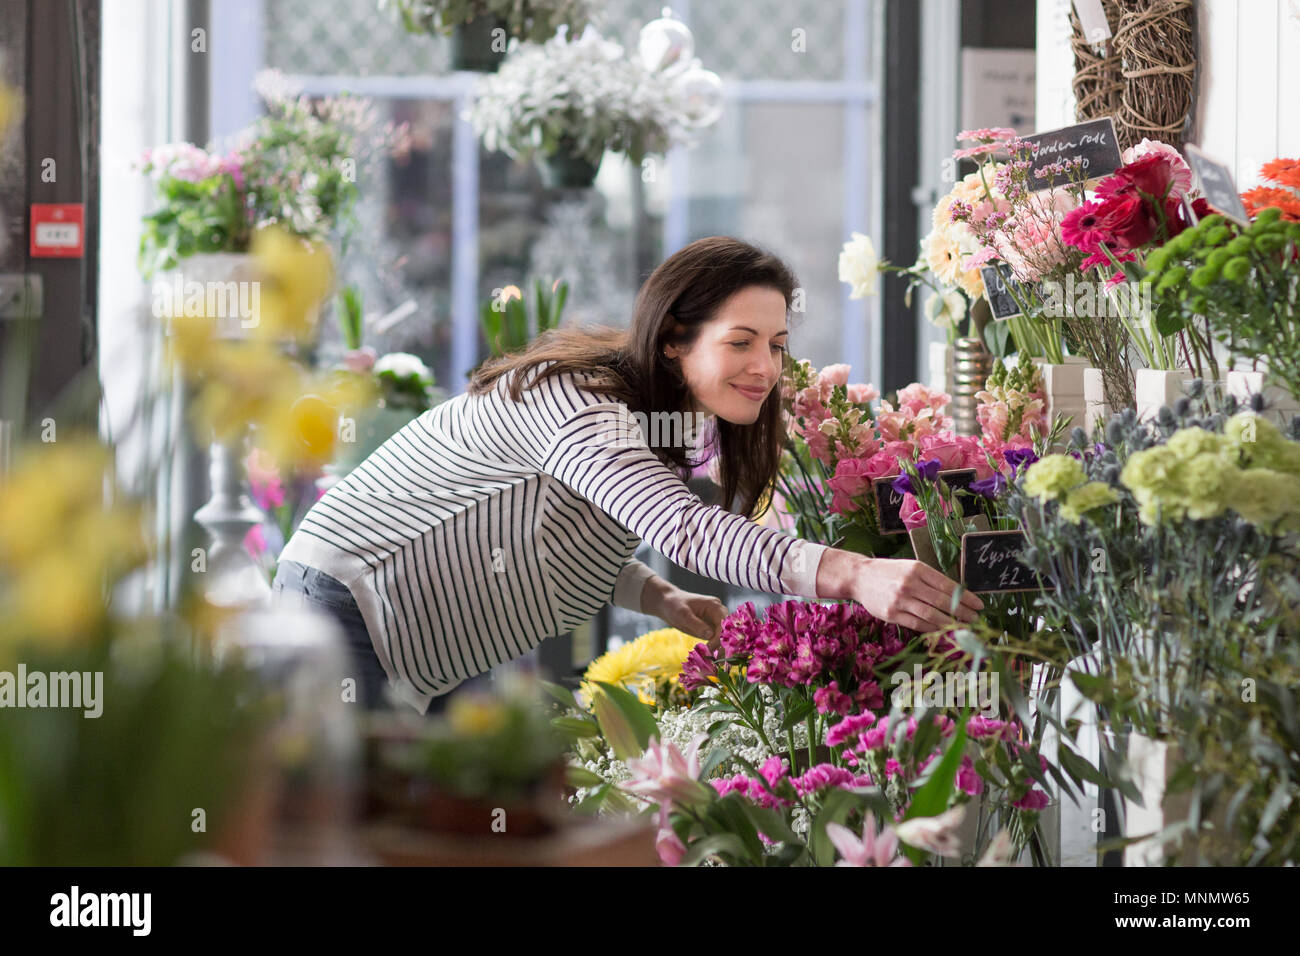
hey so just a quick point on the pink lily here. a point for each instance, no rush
(871, 850)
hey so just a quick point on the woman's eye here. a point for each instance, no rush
(741, 345)
(778, 348)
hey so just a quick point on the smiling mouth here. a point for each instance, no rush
(756, 394)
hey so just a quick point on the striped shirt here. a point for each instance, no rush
(486, 525)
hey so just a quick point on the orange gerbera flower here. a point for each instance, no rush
(1284, 172)
(1261, 197)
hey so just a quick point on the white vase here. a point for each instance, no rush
(1152, 763)
(1280, 404)
(1094, 401)
(1156, 387)
(1063, 384)
(224, 285)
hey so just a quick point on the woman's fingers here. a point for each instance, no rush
(937, 590)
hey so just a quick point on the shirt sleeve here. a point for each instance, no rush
(600, 452)
(630, 585)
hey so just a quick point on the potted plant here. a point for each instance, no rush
(569, 101)
(296, 167)
(480, 30)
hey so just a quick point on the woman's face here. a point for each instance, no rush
(736, 361)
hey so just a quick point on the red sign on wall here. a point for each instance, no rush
(58, 230)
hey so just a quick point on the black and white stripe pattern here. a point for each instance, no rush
(486, 525)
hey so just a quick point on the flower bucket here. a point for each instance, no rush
(1095, 405)
(1279, 404)
(972, 364)
(471, 45)
(1152, 762)
(564, 169)
(209, 275)
(1157, 387)
(1063, 384)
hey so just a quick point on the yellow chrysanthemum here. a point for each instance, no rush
(641, 664)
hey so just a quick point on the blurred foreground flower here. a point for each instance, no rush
(64, 540)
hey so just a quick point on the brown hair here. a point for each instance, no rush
(629, 364)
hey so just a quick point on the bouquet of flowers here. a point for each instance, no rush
(297, 167)
(533, 20)
(582, 96)
(790, 753)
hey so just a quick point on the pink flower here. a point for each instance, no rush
(968, 781)
(863, 394)
(664, 775)
(698, 667)
(668, 844)
(1035, 800)
(848, 728)
(979, 727)
(773, 771)
(869, 850)
(834, 375)
(997, 134)
(1082, 228)
(830, 699)
(360, 360)
(936, 835)
(911, 513)
(255, 541)
(264, 480)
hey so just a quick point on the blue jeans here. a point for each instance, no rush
(320, 591)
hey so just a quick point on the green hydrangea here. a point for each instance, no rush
(1268, 499)
(1094, 494)
(1187, 477)
(1256, 443)
(1053, 476)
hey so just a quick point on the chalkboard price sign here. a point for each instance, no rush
(990, 562)
(1093, 143)
(1217, 184)
(1001, 302)
(889, 503)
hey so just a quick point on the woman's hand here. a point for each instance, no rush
(913, 595)
(908, 593)
(699, 615)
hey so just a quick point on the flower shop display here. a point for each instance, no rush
(570, 100)
(797, 743)
(480, 29)
(1172, 559)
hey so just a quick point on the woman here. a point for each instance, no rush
(510, 513)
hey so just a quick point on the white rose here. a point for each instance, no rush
(859, 266)
(946, 310)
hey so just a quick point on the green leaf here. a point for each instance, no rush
(719, 843)
(562, 694)
(582, 777)
(1079, 768)
(770, 823)
(836, 807)
(931, 799)
(627, 723)
(796, 713)
(576, 727)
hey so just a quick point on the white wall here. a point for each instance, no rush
(1247, 108)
